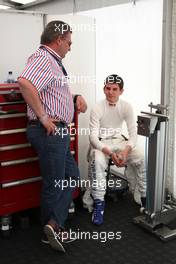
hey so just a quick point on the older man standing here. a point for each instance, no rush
(44, 86)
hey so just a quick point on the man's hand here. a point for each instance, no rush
(81, 105)
(120, 158)
(48, 123)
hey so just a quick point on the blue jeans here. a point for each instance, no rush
(56, 165)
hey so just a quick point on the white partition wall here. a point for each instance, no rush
(20, 36)
(80, 64)
(129, 43)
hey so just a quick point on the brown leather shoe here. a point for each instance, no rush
(54, 242)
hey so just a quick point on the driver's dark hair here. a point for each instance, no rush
(114, 78)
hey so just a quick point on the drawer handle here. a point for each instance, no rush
(10, 91)
(20, 161)
(12, 103)
(12, 131)
(17, 183)
(17, 146)
(5, 116)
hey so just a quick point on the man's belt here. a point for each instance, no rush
(37, 122)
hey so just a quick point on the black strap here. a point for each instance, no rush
(126, 139)
(61, 65)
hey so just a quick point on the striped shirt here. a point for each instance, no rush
(45, 71)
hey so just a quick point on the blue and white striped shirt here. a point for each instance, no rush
(44, 70)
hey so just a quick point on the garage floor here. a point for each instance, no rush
(136, 245)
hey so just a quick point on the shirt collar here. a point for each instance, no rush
(111, 104)
(51, 51)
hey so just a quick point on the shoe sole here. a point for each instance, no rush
(65, 241)
(46, 242)
(53, 241)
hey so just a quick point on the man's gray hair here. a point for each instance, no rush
(53, 30)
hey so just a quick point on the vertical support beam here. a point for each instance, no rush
(166, 51)
(151, 172)
(165, 84)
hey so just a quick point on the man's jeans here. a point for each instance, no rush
(57, 166)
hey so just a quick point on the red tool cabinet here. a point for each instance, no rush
(20, 180)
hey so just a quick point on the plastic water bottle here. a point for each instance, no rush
(10, 78)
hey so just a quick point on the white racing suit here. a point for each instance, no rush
(106, 124)
(98, 162)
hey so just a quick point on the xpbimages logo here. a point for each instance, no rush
(102, 236)
(72, 183)
(86, 27)
(86, 131)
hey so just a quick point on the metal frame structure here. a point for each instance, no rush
(158, 213)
